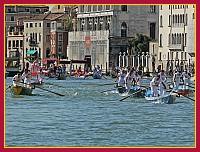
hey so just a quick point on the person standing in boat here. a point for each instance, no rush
(186, 79)
(16, 79)
(154, 85)
(163, 80)
(39, 78)
(121, 78)
(129, 79)
(176, 79)
(137, 79)
(27, 78)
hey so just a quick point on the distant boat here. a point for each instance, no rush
(20, 90)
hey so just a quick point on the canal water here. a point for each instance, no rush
(86, 117)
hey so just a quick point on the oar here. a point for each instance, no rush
(8, 87)
(130, 95)
(50, 91)
(53, 84)
(104, 76)
(183, 95)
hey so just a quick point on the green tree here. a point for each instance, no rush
(141, 43)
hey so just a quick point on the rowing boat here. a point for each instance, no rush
(135, 90)
(185, 91)
(19, 90)
(167, 98)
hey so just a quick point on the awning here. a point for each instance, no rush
(31, 52)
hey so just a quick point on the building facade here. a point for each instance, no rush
(103, 31)
(176, 36)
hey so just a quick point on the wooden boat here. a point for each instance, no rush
(168, 98)
(20, 90)
(135, 90)
(185, 92)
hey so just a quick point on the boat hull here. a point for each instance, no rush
(140, 94)
(19, 90)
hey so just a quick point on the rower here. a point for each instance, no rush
(16, 79)
(154, 85)
(129, 79)
(39, 78)
(162, 84)
(121, 79)
(176, 79)
(186, 79)
(137, 79)
(27, 78)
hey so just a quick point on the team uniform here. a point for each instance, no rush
(16, 80)
(27, 79)
(162, 84)
(186, 79)
(121, 80)
(154, 86)
(129, 80)
(176, 78)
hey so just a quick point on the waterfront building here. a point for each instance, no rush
(176, 36)
(103, 31)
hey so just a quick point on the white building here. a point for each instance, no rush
(176, 36)
(103, 31)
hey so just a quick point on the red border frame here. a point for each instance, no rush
(2, 149)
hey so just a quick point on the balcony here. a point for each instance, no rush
(33, 43)
(176, 47)
(15, 33)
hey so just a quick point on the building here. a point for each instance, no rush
(14, 12)
(103, 31)
(176, 36)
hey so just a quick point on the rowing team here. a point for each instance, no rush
(159, 82)
(26, 78)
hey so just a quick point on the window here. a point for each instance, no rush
(107, 7)
(181, 55)
(21, 43)
(47, 38)
(58, 6)
(152, 30)
(37, 10)
(12, 18)
(26, 25)
(27, 10)
(17, 43)
(160, 39)
(160, 56)
(193, 16)
(152, 8)
(169, 20)
(89, 8)
(35, 24)
(100, 8)
(161, 20)
(48, 24)
(31, 24)
(82, 8)
(177, 55)
(160, 7)
(13, 43)
(124, 7)
(40, 24)
(95, 8)
(60, 37)
(9, 44)
(123, 30)
(39, 37)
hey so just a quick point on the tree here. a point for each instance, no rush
(141, 43)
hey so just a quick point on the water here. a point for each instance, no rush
(86, 117)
